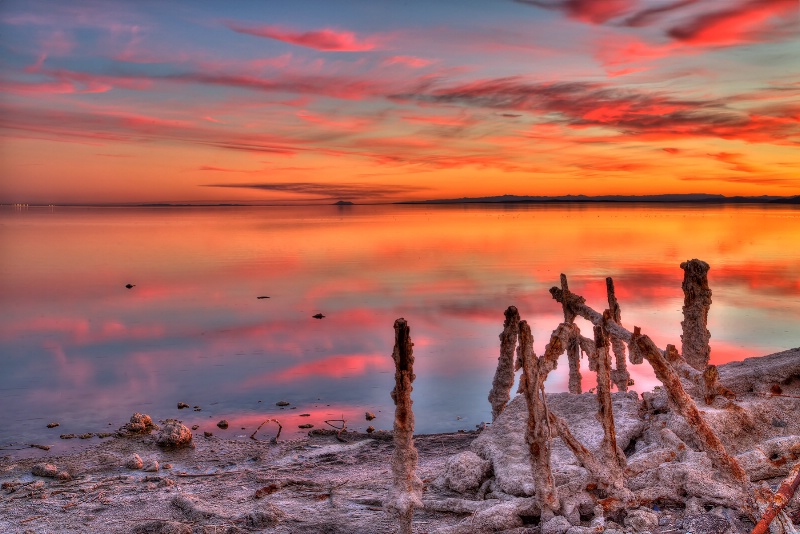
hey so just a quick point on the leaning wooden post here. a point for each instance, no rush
(405, 493)
(537, 432)
(573, 345)
(620, 376)
(609, 450)
(696, 303)
(504, 376)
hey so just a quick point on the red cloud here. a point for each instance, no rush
(327, 40)
(750, 21)
(592, 11)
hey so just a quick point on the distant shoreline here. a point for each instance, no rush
(692, 199)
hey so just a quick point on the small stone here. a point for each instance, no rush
(87, 435)
(208, 434)
(166, 466)
(68, 436)
(642, 521)
(134, 462)
(151, 467)
(52, 425)
(197, 408)
(44, 470)
(223, 424)
(305, 415)
(174, 434)
(369, 416)
(282, 403)
(195, 427)
(182, 405)
(306, 425)
(370, 429)
(139, 424)
(63, 476)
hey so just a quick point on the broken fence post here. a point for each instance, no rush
(405, 493)
(504, 376)
(609, 450)
(696, 303)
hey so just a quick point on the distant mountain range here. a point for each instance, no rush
(694, 198)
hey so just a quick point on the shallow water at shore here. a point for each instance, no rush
(79, 348)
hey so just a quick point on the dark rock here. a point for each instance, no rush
(87, 435)
(129, 286)
(318, 316)
(370, 429)
(52, 425)
(369, 416)
(223, 424)
(68, 436)
(151, 466)
(262, 297)
(306, 425)
(282, 403)
(174, 434)
(182, 405)
(102, 435)
(195, 427)
(208, 434)
(305, 415)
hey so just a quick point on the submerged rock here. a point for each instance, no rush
(174, 434)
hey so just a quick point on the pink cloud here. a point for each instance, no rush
(327, 40)
(591, 11)
(410, 61)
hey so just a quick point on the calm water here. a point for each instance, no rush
(79, 348)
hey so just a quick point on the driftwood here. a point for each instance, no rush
(504, 376)
(696, 303)
(612, 455)
(572, 347)
(405, 493)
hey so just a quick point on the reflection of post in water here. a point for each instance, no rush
(405, 493)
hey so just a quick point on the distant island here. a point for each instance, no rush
(694, 198)
(343, 203)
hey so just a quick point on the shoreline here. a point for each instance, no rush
(321, 484)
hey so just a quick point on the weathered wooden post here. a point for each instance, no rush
(620, 375)
(405, 493)
(696, 303)
(504, 376)
(614, 457)
(573, 345)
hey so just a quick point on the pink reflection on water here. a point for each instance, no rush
(340, 366)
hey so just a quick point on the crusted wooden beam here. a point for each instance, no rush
(707, 382)
(612, 455)
(696, 303)
(537, 431)
(503, 381)
(781, 498)
(685, 406)
(405, 493)
(620, 376)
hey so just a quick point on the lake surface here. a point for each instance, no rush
(79, 348)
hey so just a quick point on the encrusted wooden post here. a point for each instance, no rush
(537, 433)
(405, 493)
(573, 345)
(696, 303)
(608, 448)
(504, 376)
(620, 375)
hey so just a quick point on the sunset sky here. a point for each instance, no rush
(375, 101)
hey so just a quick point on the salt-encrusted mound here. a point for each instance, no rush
(503, 443)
